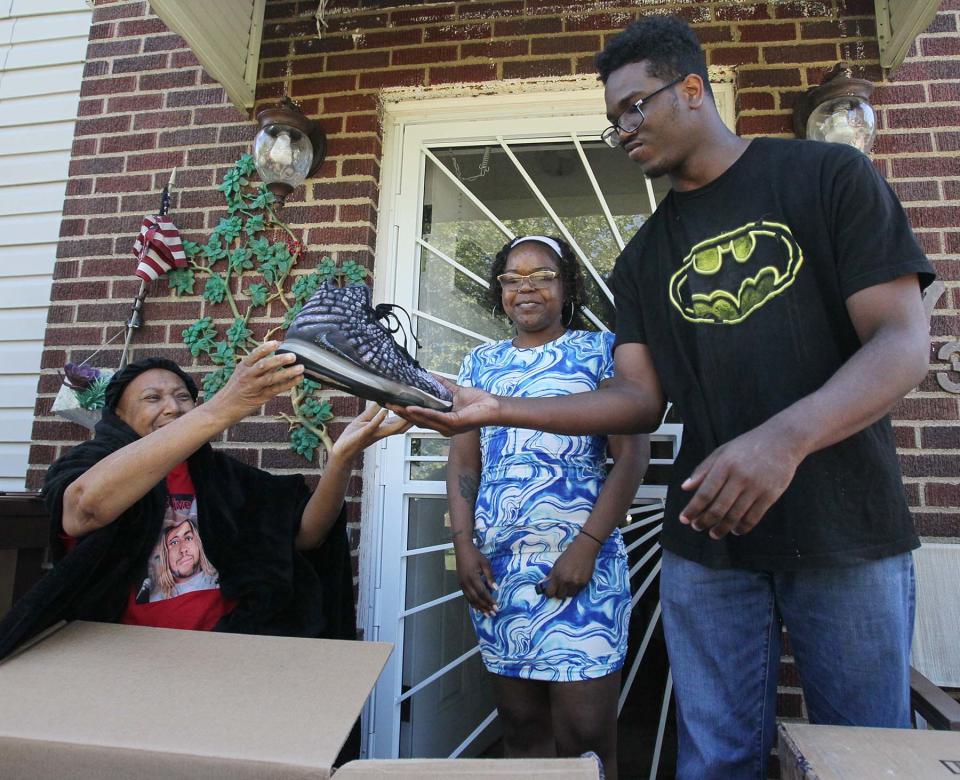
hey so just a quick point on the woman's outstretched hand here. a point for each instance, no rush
(256, 379)
(472, 408)
(371, 425)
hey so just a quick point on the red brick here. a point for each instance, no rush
(135, 183)
(927, 70)
(83, 147)
(898, 143)
(221, 115)
(527, 69)
(183, 59)
(856, 7)
(323, 85)
(602, 22)
(134, 103)
(140, 63)
(344, 104)
(426, 54)
(948, 141)
(945, 93)
(363, 123)
(912, 191)
(565, 44)
(892, 94)
(940, 437)
(918, 167)
(96, 68)
(937, 523)
(352, 213)
(196, 97)
(925, 409)
(351, 145)
(741, 12)
(170, 80)
(90, 107)
(426, 15)
(329, 43)
(733, 55)
(755, 101)
(72, 227)
(803, 10)
(951, 190)
(380, 79)
(846, 28)
(308, 215)
(495, 49)
(943, 23)
(163, 43)
(946, 46)
(67, 337)
(106, 13)
(391, 38)
(94, 165)
(940, 494)
(352, 23)
(527, 27)
(489, 10)
(719, 33)
(109, 49)
(932, 117)
(364, 167)
(358, 61)
(100, 31)
(851, 51)
(109, 86)
(154, 160)
(905, 437)
(191, 136)
(84, 290)
(342, 190)
(750, 33)
(457, 32)
(141, 28)
(770, 124)
(768, 77)
(79, 187)
(157, 119)
(803, 52)
(107, 124)
(84, 206)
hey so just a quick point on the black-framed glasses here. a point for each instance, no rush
(537, 280)
(631, 119)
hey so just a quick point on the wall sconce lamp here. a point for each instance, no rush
(289, 147)
(838, 111)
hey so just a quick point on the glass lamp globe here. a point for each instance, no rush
(282, 155)
(848, 119)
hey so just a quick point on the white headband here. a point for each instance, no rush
(541, 239)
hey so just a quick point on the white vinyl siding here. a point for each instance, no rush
(43, 45)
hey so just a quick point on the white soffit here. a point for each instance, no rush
(899, 22)
(225, 37)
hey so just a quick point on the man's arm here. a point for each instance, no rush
(631, 402)
(113, 485)
(740, 480)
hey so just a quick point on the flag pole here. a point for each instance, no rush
(135, 320)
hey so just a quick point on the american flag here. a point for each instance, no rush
(158, 248)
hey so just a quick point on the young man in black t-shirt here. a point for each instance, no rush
(775, 298)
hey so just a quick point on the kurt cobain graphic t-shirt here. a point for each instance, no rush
(739, 290)
(179, 588)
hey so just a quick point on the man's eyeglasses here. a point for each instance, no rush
(631, 119)
(537, 280)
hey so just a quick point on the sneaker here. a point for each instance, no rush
(339, 340)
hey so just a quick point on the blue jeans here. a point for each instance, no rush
(850, 629)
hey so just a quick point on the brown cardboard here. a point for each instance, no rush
(471, 769)
(851, 753)
(94, 701)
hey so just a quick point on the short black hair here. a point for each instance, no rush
(571, 276)
(668, 45)
(123, 377)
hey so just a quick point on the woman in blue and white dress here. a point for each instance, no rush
(535, 515)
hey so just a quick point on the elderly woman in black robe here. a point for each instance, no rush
(239, 549)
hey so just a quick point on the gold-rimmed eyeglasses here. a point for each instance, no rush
(632, 117)
(537, 280)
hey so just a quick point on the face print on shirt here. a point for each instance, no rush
(724, 279)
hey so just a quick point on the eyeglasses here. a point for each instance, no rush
(538, 280)
(631, 119)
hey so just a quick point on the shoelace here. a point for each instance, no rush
(385, 312)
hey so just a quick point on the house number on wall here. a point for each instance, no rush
(949, 352)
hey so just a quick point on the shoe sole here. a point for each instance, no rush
(325, 366)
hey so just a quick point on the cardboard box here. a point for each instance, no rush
(95, 701)
(472, 769)
(850, 753)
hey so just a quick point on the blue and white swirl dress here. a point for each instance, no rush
(536, 491)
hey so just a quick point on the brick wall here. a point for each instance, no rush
(147, 107)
